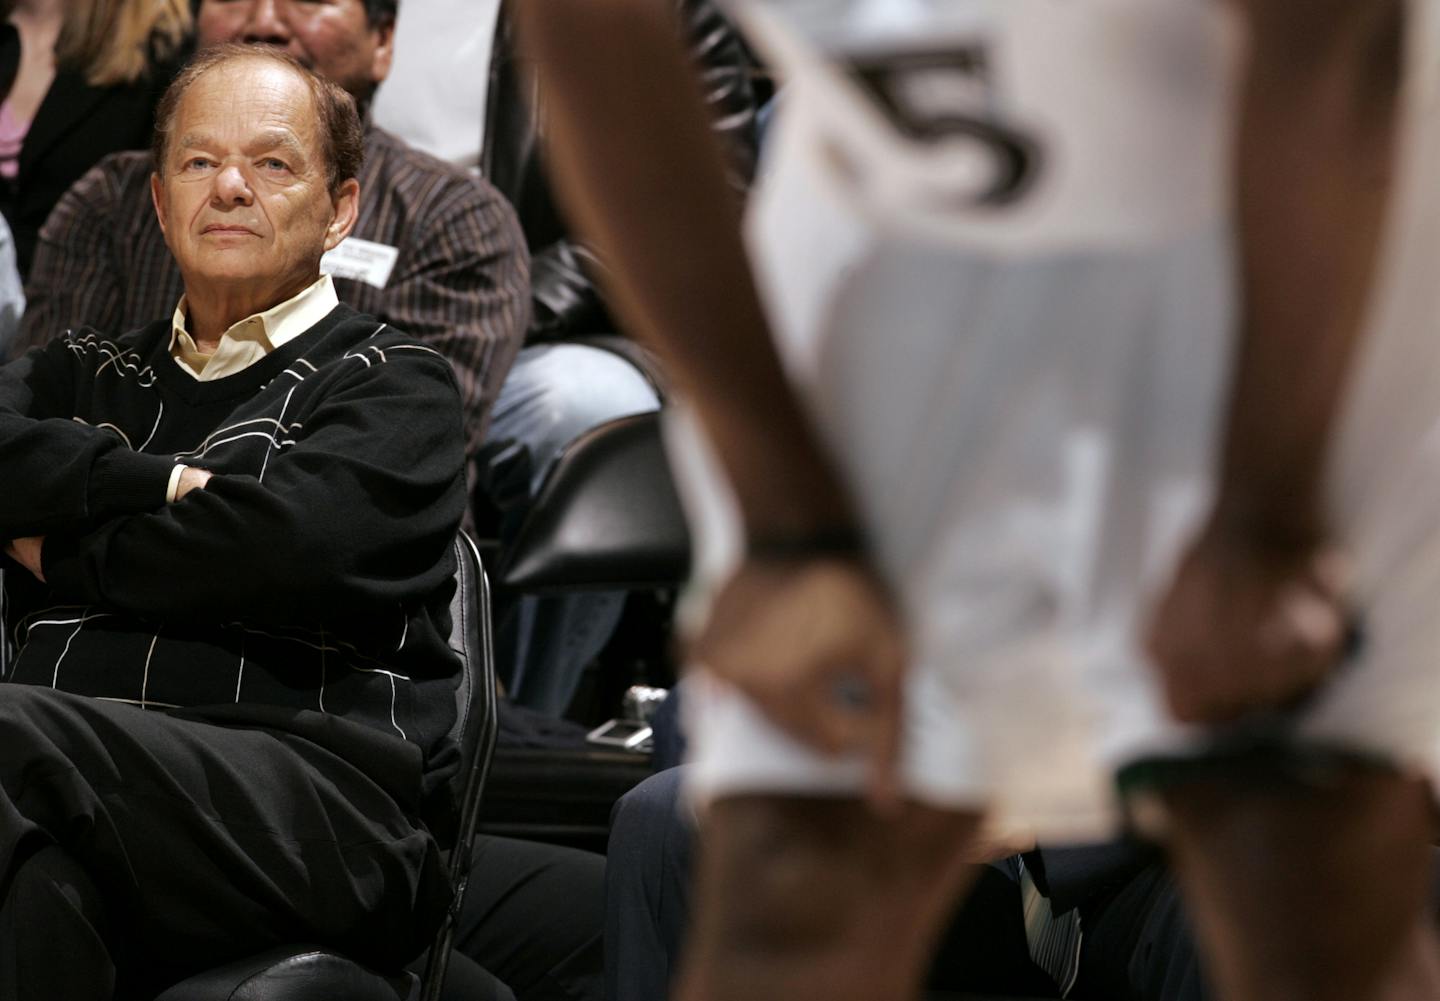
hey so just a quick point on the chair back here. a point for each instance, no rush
(476, 726)
(607, 517)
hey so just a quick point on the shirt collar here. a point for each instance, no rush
(254, 337)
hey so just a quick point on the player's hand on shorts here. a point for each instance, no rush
(1247, 626)
(816, 644)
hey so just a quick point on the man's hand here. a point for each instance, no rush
(191, 478)
(1247, 626)
(816, 644)
(26, 551)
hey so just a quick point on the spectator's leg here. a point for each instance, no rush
(206, 843)
(53, 941)
(1317, 893)
(553, 394)
(1138, 944)
(465, 979)
(821, 898)
(533, 918)
(648, 877)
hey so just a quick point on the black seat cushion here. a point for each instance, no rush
(292, 973)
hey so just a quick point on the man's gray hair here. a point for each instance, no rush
(342, 137)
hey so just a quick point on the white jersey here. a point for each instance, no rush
(997, 257)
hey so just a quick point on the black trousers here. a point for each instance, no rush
(532, 918)
(136, 848)
(1138, 943)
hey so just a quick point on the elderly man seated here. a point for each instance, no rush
(436, 251)
(232, 686)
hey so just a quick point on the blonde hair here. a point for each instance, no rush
(117, 41)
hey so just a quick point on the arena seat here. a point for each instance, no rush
(606, 518)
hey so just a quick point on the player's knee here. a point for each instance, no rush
(791, 873)
(1256, 853)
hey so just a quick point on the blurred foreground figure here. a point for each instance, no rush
(1096, 437)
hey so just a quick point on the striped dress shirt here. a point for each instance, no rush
(459, 282)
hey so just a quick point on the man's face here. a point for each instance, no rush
(242, 196)
(331, 37)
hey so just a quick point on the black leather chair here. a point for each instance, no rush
(311, 973)
(607, 518)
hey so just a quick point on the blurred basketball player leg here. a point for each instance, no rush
(1310, 895)
(1300, 890)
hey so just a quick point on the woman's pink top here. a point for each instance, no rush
(12, 135)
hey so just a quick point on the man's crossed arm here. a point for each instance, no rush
(349, 519)
(28, 550)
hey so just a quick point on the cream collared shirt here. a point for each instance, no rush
(247, 341)
(254, 337)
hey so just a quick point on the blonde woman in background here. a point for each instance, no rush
(79, 79)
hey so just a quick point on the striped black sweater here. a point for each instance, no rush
(308, 582)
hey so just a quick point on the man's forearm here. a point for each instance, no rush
(307, 541)
(562, 272)
(643, 175)
(58, 472)
(1315, 155)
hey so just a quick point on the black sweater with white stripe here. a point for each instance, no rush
(307, 583)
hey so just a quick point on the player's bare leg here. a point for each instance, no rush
(821, 898)
(1308, 892)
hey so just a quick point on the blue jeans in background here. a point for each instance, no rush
(553, 394)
